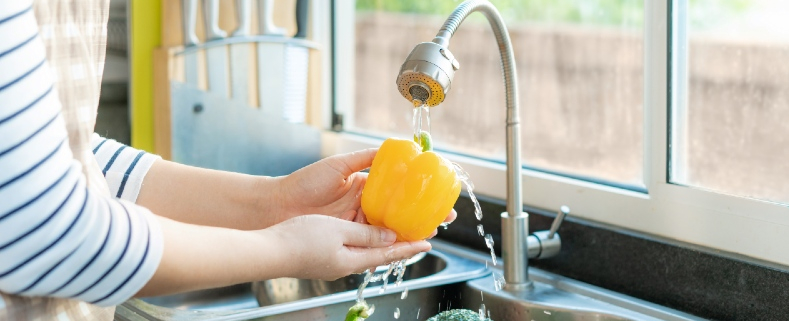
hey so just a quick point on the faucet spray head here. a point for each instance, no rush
(426, 74)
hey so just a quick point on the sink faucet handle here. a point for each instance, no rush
(563, 211)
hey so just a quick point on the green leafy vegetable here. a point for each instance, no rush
(458, 315)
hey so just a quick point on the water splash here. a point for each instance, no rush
(385, 277)
(466, 180)
(489, 244)
(368, 275)
(400, 272)
(398, 268)
(482, 311)
(498, 281)
(464, 177)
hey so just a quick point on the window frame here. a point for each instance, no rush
(732, 226)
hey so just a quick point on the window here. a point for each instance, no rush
(731, 132)
(580, 68)
(632, 69)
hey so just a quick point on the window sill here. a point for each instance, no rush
(741, 228)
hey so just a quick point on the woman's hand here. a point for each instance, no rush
(309, 246)
(332, 186)
(327, 248)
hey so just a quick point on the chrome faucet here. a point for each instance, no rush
(426, 77)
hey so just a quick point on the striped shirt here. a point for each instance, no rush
(59, 238)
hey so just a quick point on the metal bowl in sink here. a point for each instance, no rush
(285, 290)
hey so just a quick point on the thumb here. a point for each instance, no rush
(350, 163)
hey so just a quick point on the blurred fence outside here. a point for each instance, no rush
(580, 93)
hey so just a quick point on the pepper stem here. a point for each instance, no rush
(424, 140)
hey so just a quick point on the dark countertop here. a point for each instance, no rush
(697, 281)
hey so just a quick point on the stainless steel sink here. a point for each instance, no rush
(284, 290)
(433, 282)
(448, 277)
(558, 298)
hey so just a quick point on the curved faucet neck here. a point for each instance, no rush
(515, 221)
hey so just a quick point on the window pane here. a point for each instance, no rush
(732, 134)
(580, 67)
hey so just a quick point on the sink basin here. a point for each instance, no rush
(286, 290)
(558, 298)
(433, 283)
(447, 277)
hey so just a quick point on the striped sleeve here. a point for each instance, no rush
(123, 167)
(57, 237)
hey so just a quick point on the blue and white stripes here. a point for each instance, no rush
(58, 237)
(123, 167)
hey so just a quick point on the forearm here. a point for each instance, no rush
(211, 198)
(199, 257)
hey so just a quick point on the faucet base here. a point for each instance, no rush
(518, 287)
(514, 247)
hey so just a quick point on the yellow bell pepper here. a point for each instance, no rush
(409, 191)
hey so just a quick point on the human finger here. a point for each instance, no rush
(349, 215)
(453, 215)
(353, 162)
(362, 235)
(365, 257)
(360, 217)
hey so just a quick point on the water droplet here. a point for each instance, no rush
(397, 313)
(547, 312)
(498, 281)
(385, 276)
(359, 293)
(480, 230)
(482, 311)
(398, 268)
(400, 272)
(445, 225)
(404, 295)
(417, 313)
(465, 178)
(489, 244)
